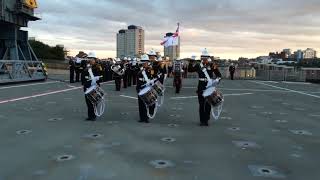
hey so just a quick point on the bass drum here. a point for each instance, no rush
(149, 96)
(213, 97)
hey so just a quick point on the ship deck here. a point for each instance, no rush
(266, 130)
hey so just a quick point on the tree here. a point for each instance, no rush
(44, 51)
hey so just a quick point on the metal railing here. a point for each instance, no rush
(294, 75)
(17, 71)
(240, 73)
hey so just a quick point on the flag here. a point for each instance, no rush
(172, 40)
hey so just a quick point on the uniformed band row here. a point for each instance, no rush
(141, 72)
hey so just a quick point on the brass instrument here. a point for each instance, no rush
(117, 69)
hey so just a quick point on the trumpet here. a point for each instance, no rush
(117, 69)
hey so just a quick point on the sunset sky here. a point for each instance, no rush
(228, 28)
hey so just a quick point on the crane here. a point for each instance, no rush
(18, 62)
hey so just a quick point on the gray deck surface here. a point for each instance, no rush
(267, 130)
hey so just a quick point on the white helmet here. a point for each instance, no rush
(205, 53)
(193, 57)
(152, 52)
(178, 59)
(125, 58)
(134, 61)
(145, 58)
(209, 60)
(92, 55)
(129, 59)
(118, 60)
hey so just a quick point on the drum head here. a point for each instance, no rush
(208, 91)
(144, 90)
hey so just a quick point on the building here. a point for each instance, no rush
(287, 53)
(130, 42)
(298, 55)
(173, 52)
(309, 54)
(121, 44)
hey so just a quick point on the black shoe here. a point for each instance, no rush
(204, 124)
(91, 119)
(144, 121)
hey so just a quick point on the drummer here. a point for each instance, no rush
(87, 83)
(204, 107)
(141, 81)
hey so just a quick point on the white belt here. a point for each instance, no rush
(203, 79)
(142, 79)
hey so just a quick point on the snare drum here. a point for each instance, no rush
(95, 94)
(148, 95)
(213, 97)
(159, 88)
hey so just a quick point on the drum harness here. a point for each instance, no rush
(100, 107)
(215, 111)
(151, 83)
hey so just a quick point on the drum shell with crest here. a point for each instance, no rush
(149, 96)
(95, 94)
(213, 96)
(159, 88)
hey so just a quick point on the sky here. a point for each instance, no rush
(227, 28)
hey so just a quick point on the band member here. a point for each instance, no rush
(72, 68)
(232, 70)
(99, 66)
(204, 107)
(158, 67)
(125, 75)
(141, 81)
(134, 71)
(78, 69)
(163, 70)
(177, 74)
(88, 83)
(83, 66)
(129, 72)
(118, 70)
(108, 70)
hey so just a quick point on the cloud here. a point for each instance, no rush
(229, 28)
